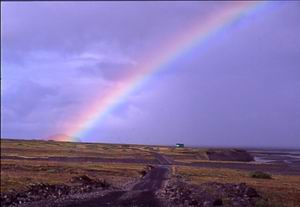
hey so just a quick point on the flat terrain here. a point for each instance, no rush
(141, 194)
(138, 174)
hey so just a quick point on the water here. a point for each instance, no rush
(276, 156)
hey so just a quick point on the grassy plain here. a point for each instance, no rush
(34, 148)
(282, 190)
(35, 167)
(17, 174)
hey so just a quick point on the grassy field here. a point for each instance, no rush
(19, 173)
(16, 174)
(282, 190)
(34, 148)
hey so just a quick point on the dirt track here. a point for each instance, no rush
(141, 194)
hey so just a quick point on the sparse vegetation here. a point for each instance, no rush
(17, 174)
(260, 175)
(281, 190)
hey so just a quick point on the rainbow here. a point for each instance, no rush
(191, 37)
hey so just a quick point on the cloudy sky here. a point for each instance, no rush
(240, 88)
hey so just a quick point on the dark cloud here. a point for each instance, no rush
(239, 88)
(72, 27)
(26, 98)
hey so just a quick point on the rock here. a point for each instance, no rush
(143, 173)
(206, 203)
(81, 179)
(218, 202)
(251, 192)
(88, 182)
(193, 202)
(40, 191)
(149, 167)
(179, 193)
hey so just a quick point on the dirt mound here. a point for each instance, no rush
(35, 192)
(86, 181)
(229, 155)
(178, 193)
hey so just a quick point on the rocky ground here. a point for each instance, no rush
(178, 193)
(155, 188)
(41, 191)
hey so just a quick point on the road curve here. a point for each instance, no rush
(142, 193)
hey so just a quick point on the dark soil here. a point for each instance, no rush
(141, 194)
(154, 189)
(36, 192)
(229, 155)
(88, 192)
(148, 191)
(260, 175)
(179, 193)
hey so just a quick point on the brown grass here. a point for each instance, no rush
(19, 173)
(69, 149)
(16, 174)
(281, 189)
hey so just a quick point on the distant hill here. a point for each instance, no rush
(229, 155)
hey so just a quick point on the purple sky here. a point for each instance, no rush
(242, 89)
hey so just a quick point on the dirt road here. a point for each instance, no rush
(141, 194)
(162, 159)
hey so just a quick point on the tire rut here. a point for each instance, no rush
(142, 194)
